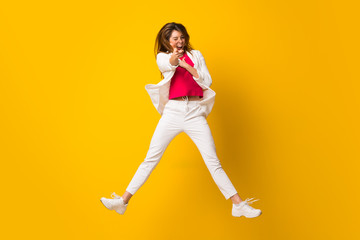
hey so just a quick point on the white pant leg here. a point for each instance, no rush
(197, 128)
(169, 125)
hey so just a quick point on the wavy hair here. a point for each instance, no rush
(162, 42)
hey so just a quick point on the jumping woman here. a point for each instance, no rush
(184, 99)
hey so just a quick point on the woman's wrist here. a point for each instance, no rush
(174, 59)
(188, 66)
(193, 71)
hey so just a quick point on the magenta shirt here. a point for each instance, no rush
(183, 83)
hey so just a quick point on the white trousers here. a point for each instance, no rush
(183, 116)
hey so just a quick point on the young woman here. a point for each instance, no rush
(184, 99)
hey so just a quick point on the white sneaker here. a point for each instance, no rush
(117, 203)
(245, 210)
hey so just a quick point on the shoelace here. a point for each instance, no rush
(248, 200)
(114, 195)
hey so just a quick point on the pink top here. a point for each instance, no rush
(183, 83)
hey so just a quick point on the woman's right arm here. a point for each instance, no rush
(169, 62)
(164, 62)
(174, 60)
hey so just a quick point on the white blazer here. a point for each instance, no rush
(159, 93)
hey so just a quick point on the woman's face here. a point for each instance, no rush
(177, 40)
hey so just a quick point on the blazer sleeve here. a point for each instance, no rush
(203, 72)
(163, 62)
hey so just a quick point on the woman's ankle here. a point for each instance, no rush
(126, 197)
(236, 199)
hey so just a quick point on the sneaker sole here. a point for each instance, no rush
(121, 213)
(248, 217)
(116, 210)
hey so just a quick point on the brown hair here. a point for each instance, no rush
(162, 42)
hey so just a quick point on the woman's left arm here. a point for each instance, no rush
(191, 70)
(201, 71)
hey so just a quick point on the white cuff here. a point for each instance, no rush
(200, 78)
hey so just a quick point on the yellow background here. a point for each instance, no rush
(76, 120)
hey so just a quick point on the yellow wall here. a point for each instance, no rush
(76, 120)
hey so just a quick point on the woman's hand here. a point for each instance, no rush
(176, 55)
(183, 63)
(188, 67)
